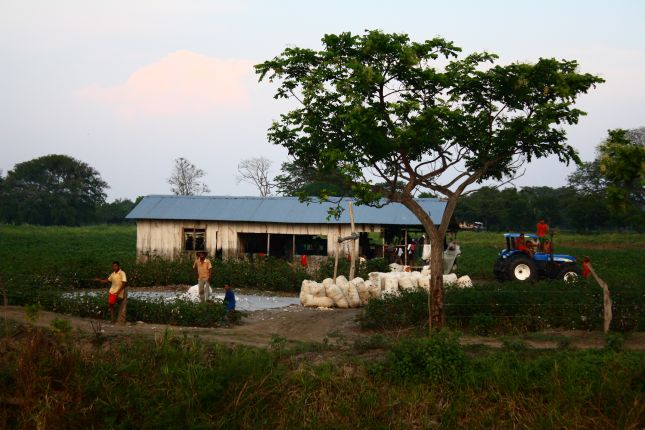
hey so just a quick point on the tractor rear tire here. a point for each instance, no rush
(522, 268)
(569, 274)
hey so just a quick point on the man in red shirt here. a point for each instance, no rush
(542, 231)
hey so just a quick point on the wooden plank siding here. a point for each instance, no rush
(164, 238)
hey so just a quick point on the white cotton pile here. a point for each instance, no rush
(464, 282)
(449, 279)
(334, 292)
(193, 293)
(320, 302)
(327, 281)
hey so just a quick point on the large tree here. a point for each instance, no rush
(256, 171)
(381, 108)
(51, 190)
(185, 179)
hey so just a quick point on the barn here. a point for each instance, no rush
(282, 227)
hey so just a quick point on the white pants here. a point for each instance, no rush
(203, 292)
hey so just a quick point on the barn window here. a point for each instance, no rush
(311, 245)
(194, 239)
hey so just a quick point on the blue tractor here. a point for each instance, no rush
(520, 265)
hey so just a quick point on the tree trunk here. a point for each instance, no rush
(435, 297)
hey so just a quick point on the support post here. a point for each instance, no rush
(352, 263)
(268, 244)
(606, 299)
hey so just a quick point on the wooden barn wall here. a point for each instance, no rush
(164, 238)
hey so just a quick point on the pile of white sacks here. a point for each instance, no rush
(357, 292)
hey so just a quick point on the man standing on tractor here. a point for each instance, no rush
(542, 231)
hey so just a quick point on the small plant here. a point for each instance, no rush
(614, 342)
(375, 341)
(514, 344)
(32, 311)
(482, 324)
(61, 326)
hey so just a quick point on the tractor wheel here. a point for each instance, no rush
(522, 268)
(569, 274)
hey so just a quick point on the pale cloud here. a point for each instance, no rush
(181, 83)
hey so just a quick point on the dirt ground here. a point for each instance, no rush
(296, 323)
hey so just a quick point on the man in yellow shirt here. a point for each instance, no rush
(203, 271)
(117, 290)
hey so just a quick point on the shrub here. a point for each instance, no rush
(436, 359)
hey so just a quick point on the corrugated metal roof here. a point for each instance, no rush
(276, 209)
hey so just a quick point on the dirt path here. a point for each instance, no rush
(296, 323)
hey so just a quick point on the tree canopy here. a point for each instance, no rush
(51, 190)
(381, 108)
(621, 160)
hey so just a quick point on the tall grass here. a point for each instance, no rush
(48, 381)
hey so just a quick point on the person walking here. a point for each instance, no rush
(204, 272)
(117, 292)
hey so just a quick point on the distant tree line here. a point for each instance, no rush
(58, 190)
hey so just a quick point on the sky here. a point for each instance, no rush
(127, 86)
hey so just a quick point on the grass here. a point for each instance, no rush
(53, 381)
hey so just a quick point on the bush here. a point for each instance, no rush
(512, 307)
(437, 359)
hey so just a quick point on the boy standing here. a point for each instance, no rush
(229, 302)
(117, 290)
(203, 271)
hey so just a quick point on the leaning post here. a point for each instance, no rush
(606, 299)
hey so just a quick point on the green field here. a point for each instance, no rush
(87, 252)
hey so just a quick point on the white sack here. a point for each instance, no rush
(464, 282)
(450, 279)
(352, 297)
(327, 281)
(425, 254)
(426, 270)
(341, 281)
(375, 278)
(334, 293)
(391, 285)
(320, 302)
(405, 283)
(304, 291)
(374, 290)
(364, 291)
(414, 276)
(317, 290)
(424, 282)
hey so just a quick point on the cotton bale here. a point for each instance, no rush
(334, 292)
(353, 298)
(320, 302)
(450, 279)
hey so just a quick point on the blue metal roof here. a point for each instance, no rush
(276, 209)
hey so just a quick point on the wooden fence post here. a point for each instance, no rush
(606, 299)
